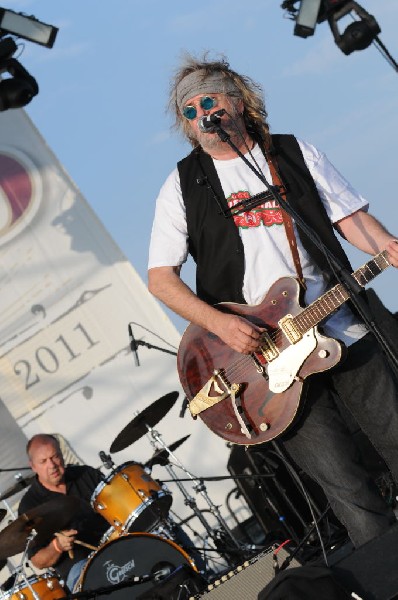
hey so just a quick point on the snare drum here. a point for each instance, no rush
(130, 500)
(131, 555)
(45, 587)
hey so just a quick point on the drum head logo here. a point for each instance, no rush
(20, 192)
(116, 574)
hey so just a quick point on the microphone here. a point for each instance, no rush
(162, 573)
(106, 460)
(133, 346)
(208, 123)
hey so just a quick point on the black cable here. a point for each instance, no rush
(384, 52)
(153, 333)
(298, 481)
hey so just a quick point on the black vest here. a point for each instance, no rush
(214, 240)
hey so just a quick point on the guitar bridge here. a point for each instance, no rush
(203, 400)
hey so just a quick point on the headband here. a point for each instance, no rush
(198, 82)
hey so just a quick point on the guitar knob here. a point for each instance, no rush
(264, 426)
(323, 353)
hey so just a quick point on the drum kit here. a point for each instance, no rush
(142, 544)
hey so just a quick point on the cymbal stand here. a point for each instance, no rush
(20, 569)
(10, 565)
(199, 487)
(9, 509)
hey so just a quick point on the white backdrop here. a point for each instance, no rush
(67, 296)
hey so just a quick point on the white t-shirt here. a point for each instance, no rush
(266, 248)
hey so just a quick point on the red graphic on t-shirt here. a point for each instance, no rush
(267, 214)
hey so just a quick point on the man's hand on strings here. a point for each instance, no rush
(238, 333)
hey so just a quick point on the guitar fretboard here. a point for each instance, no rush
(335, 297)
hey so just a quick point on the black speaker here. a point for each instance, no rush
(277, 492)
(371, 570)
(247, 580)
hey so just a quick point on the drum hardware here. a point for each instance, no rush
(200, 488)
(161, 456)
(21, 483)
(140, 425)
(106, 460)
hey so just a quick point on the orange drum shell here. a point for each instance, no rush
(126, 492)
(46, 588)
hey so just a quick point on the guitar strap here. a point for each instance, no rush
(287, 220)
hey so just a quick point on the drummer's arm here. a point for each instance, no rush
(45, 557)
(49, 555)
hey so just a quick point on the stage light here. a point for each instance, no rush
(307, 18)
(20, 87)
(359, 34)
(18, 90)
(28, 28)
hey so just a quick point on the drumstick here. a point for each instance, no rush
(86, 545)
(89, 546)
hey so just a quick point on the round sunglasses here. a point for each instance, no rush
(206, 102)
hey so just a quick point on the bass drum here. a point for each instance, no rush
(45, 587)
(129, 556)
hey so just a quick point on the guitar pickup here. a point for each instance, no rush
(267, 348)
(203, 400)
(289, 329)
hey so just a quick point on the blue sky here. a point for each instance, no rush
(104, 84)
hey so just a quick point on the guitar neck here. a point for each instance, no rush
(324, 306)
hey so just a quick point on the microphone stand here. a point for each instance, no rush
(15, 469)
(153, 347)
(199, 487)
(341, 273)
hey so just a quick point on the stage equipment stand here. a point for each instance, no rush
(228, 547)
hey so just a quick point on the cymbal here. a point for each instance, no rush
(150, 416)
(161, 456)
(17, 487)
(46, 519)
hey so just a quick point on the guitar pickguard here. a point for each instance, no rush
(282, 371)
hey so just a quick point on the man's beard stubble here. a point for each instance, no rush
(233, 125)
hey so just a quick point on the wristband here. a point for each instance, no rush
(58, 549)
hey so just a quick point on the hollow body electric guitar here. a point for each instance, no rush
(251, 399)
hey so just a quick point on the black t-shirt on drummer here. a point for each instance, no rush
(81, 481)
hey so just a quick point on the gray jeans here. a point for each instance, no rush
(323, 446)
